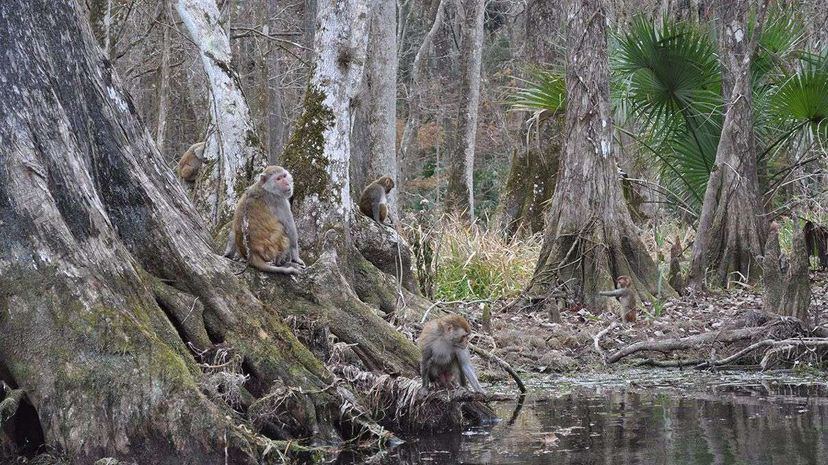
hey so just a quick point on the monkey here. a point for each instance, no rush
(263, 229)
(675, 279)
(445, 353)
(625, 295)
(191, 162)
(816, 241)
(373, 202)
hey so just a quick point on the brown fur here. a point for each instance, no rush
(190, 163)
(626, 297)
(375, 195)
(260, 233)
(676, 280)
(265, 233)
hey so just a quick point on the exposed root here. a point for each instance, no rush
(224, 378)
(8, 407)
(596, 341)
(782, 339)
(502, 363)
(402, 405)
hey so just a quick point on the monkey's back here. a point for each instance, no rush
(365, 200)
(265, 233)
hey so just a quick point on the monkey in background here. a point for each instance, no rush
(675, 279)
(444, 344)
(625, 295)
(374, 199)
(263, 229)
(190, 163)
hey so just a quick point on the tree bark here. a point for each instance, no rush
(233, 154)
(163, 78)
(460, 190)
(590, 238)
(409, 149)
(109, 289)
(375, 122)
(732, 229)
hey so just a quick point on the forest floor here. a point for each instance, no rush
(534, 346)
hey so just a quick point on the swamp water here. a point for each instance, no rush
(685, 417)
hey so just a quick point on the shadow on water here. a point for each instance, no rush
(727, 422)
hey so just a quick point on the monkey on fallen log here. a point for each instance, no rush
(263, 230)
(373, 202)
(444, 344)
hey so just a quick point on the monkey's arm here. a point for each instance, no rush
(425, 361)
(375, 212)
(294, 255)
(615, 293)
(467, 370)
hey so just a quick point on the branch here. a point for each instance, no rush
(503, 364)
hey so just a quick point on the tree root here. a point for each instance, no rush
(779, 335)
(402, 405)
(502, 363)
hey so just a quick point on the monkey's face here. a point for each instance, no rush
(278, 181)
(623, 281)
(459, 337)
(388, 183)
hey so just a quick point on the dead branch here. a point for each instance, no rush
(597, 339)
(502, 363)
(690, 342)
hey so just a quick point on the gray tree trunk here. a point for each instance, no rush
(97, 244)
(460, 190)
(590, 238)
(732, 229)
(233, 154)
(375, 121)
(163, 78)
(409, 150)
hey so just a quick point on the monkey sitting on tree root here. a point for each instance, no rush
(263, 229)
(444, 344)
(190, 163)
(625, 295)
(374, 200)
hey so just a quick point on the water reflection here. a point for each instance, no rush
(730, 423)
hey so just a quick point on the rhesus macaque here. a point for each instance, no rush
(374, 199)
(444, 344)
(191, 162)
(625, 295)
(263, 228)
(816, 241)
(675, 279)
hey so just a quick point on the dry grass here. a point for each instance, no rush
(475, 263)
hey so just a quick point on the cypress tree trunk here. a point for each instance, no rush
(590, 238)
(732, 230)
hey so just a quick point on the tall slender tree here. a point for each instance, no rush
(732, 228)
(374, 152)
(460, 189)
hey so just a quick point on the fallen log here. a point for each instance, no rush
(689, 342)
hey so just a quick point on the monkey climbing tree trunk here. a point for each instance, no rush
(233, 154)
(460, 189)
(110, 294)
(375, 121)
(732, 229)
(589, 238)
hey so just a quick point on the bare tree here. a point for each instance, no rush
(163, 78)
(460, 189)
(732, 228)
(589, 238)
(233, 153)
(375, 130)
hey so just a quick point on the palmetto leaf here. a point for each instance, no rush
(544, 91)
(802, 99)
